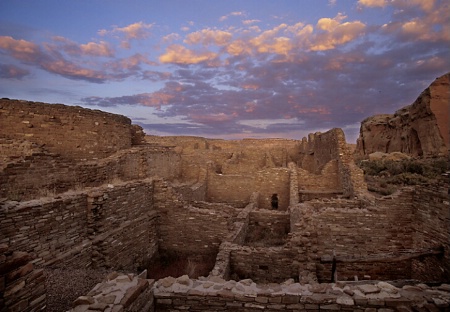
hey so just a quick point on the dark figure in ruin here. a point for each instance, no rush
(274, 201)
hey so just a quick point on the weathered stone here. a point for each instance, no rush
(369, 289)
(83, 300)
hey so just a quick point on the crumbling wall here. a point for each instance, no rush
(71, 131)
(321, 149)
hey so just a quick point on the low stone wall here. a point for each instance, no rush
(264, 264)
(215, 294)
(22, 285)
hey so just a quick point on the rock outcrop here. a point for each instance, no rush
(419, 129)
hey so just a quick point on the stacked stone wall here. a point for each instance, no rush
(322, 148)
(45, 228)
(327, 180)
(356, 234)
(22, 285)
(237, 189)
(71, 131)
(264, 264)
(122, 226)
(44, 173)
(99, 229)
(432, 228)
(185, 229)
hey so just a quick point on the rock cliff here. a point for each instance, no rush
(419, 129)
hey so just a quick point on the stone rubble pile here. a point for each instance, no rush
(119, 293)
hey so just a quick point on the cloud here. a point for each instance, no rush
(171, 37)
(135, 31)
(208, 37)
(225, 17)
(101, 48)
(178, 54)
(335, 33)
(51, 58)
(373, 3)
(12, 72)
(250, 22)
(20, 49)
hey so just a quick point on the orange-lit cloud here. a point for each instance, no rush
(373, 3)
(335, 33)
(180, 55)
(208, 37)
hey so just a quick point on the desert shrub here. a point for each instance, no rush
(372, 167)
(408, 178)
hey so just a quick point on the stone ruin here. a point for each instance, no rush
(87, 190)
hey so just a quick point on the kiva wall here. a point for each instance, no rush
(71, 131)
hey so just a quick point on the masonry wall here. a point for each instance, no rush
(122, 226)
(432, 229)
(356, 233)
(321, 148)
(42, 173)
(109, 227)
(185, 229)
(71, 131)
(237, 189)
(327, 180)
(264, 264)
(22, 285)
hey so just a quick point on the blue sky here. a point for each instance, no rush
(226, 69)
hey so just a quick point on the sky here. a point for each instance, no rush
(226, 69)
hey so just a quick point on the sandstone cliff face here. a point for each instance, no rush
(420, 129)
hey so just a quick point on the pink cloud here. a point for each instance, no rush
(208, 37)
(101, 48)
(135, 31)
(180, 55)
(20, 49)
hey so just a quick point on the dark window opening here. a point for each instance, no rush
(274, 201)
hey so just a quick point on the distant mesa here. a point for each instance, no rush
(419, 129)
